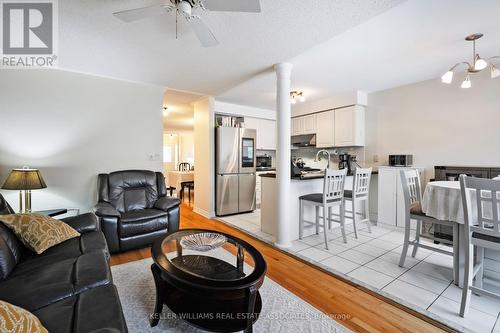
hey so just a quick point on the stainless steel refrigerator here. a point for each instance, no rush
(235, 170)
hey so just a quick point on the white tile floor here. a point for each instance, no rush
(424, 283)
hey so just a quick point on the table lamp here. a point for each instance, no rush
(24, 180)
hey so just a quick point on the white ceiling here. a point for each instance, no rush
(180, 114)
(92, 40)
(415, 41)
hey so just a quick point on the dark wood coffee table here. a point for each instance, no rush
(212, 289)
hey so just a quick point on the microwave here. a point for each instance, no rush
(401, 160)
(264, 161)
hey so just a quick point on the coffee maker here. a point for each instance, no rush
(345, 161)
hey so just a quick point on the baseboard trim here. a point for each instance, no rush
(204, 213)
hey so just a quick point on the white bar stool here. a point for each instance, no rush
(360, 195)
(332, 196)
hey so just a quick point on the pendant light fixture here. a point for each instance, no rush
(297, 96)
(477, 65)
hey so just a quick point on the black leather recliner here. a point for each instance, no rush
(133, 208)
(69, 286)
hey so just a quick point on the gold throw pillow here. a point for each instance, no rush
(38, 232)
(17, 320)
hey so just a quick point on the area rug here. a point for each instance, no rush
(282, 311)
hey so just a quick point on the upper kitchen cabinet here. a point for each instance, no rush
(253, 123)
(267, 135)
(304, 125)
(266, 132)
(350, 126)
(325, 129)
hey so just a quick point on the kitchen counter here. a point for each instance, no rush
(319, 176)
(260, 169)
(273, 175)
(299, 187)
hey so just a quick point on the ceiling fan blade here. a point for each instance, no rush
(131, 15)
(250, 6)
(202, 31)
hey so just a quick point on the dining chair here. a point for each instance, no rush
(481, 203)
(410, 182)
(190, 186)
(184, 166)
(359, 195)
(332, 196)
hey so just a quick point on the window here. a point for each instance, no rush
(167, 154)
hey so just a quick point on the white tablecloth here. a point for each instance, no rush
(443, 201)
(175, 178)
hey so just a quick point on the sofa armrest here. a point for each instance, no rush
(167, 203)
(83, 223)
(104, 209)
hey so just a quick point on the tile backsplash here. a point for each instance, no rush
(309, 154)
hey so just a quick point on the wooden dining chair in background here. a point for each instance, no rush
(481, 202)
(184, 166)
(410, 181)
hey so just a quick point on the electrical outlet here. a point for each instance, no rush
(375, 158)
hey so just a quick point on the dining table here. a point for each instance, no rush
(442, 200)
(176, 178)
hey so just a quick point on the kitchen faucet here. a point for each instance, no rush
(318, 158)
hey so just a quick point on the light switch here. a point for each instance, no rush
(154, 157)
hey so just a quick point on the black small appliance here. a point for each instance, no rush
(264, 161)
(402, 160)
(345, 161)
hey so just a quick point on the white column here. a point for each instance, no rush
(283, 177)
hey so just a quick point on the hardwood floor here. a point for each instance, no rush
(356, 308)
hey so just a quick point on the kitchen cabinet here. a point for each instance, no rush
(266, 132)
(258, 186)
(350, 126)
(325, 129)
(304, 125)
(266, 135)
(391, 209)
(297, 126)
(343, 127)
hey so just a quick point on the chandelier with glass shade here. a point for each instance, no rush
(477, 65)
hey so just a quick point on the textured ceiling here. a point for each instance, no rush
(92, 40)
(415, 41)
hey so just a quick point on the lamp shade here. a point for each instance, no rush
(24, 179)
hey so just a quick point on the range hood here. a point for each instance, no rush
(306, 140)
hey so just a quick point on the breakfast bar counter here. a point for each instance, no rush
(298, 187)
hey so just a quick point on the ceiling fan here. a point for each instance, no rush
(185, 8)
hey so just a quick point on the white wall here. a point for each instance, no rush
(204, 155)
(439, 124)
(334, 101)
(187, 147)
(243, 110)
(72, 127)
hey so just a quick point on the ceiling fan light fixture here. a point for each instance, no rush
(467, 83)
(495, 72)
(447, 77)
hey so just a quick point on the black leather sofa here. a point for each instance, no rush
(134, 210)
(69, 286)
